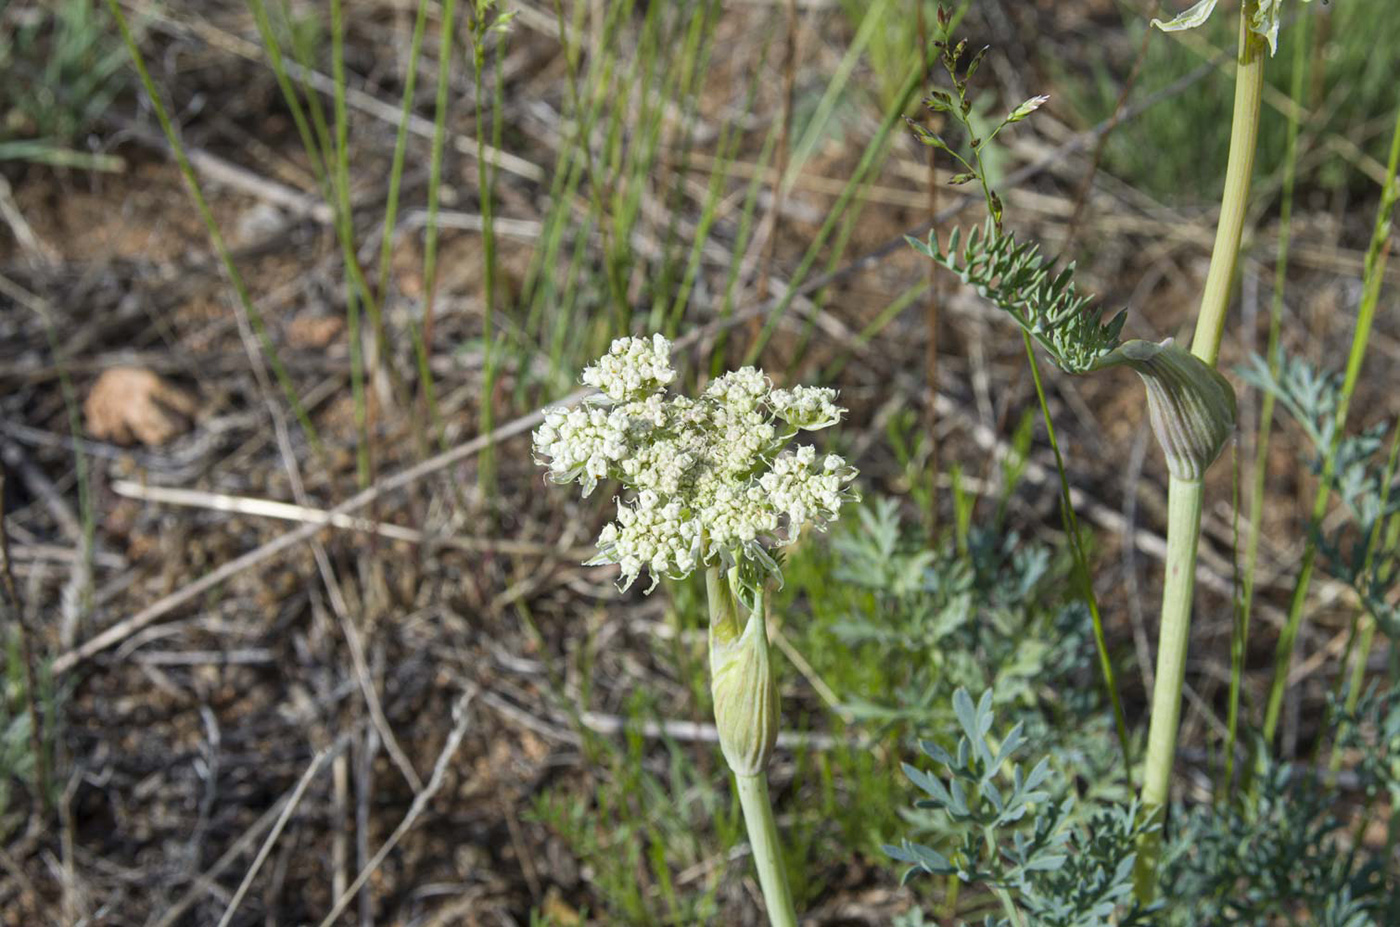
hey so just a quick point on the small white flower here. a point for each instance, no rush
(805, 494)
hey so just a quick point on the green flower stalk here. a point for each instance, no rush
(709, 483)
(1258, 27)
(746, 717)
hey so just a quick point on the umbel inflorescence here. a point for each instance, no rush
(709, 481)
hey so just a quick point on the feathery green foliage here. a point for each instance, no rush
(1041, 305)
(1361, 549)
(932, 620)
(1012, 834)
(1277, 850)
(1022, 283)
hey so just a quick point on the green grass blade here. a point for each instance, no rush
(255, 318)
(1239, 638)
(345, 222)
(481, 28)
(421, 336)
(1373, 276)
(871, 155)
(1081, 566)
(391, 205)
(278, 63)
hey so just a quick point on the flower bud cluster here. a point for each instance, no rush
(803, 492)
(807, 407)
(632, 369)
(708, 479)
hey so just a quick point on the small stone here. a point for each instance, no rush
(314, 331)
(131, 404)
(257, 223)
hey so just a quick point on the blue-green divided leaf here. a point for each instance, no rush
(930, 784)
(1038, 776)
(923, 247)
(958, 806)
(936, 753)
(967, 714)
(984, 714)
(1009, 745)
(1047, 864)
(921, 857)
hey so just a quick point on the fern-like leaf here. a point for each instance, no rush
(1024, 284)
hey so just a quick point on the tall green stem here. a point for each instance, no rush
(422, 337)
(345, 222)
(391, 203)
(1239, 642)
(485, 176)
(1184, 496)
(1370, 296)
(767, 852)
(1183, 533)
(1239, 171)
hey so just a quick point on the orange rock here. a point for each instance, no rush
(129, 404)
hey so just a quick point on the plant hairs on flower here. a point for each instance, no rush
(706, 481)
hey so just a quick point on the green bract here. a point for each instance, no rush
(1191, 406)
(1264, 21)
(741, 677)
(709, 481)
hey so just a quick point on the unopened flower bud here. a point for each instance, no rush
(741, 680)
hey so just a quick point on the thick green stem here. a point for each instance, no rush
(1244, 138)
(1183, 531)
(1184, 498)
(767, 853)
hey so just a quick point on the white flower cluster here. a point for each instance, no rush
(709, 479)
(802, 492)
(632, 369)
(807, 407)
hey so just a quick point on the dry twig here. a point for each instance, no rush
(420, 803)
